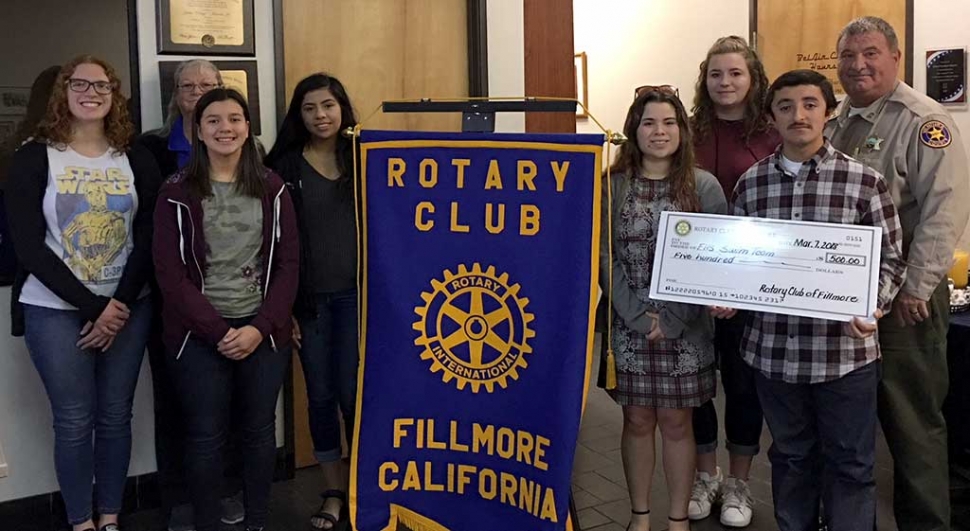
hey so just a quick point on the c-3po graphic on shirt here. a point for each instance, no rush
(94, 209)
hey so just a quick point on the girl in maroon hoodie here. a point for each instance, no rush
(226, 252)
(731, 133)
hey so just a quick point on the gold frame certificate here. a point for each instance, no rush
(819, 270)
(223, 27)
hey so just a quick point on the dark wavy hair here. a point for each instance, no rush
(294, 136)
(795, 78)
(703, 113)
(57, 127)
(629, 159)
(250, 173)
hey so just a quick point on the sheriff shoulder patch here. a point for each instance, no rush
(935, 134)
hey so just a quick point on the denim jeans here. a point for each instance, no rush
(213, 391)
(823, 450)
(170, 430)
(330, 359)
(742, 410)
(91, 393)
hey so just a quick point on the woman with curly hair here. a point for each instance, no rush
(80, 201)
(731, 133)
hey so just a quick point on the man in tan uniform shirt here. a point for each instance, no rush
(913, 142)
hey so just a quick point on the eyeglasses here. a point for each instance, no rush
(663, 89)
(189, 88)
(81, 85)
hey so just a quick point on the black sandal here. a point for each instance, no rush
(326, 517)
(636, 513)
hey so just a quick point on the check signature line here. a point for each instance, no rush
(797, 258)
(777, 265)
(702, 285)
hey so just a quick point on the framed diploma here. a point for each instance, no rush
(820, 270)
(946, 75)
(205, 27)
(239, 75)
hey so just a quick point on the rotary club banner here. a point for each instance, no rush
(477, 303)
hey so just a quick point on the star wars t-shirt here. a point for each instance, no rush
(89, 206)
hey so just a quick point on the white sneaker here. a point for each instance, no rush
(735, 503)
(705, 493)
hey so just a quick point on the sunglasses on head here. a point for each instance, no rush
(663, 89)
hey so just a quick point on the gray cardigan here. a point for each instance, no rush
(677, 320)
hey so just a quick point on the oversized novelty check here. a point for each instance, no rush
(820, 270)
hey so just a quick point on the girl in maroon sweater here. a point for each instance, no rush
(226, 252)
(731, 134)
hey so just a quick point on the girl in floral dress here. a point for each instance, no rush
(663, 350)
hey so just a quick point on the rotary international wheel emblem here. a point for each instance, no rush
(474, 329)
(682, 228)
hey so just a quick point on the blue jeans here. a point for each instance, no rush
(330, 358)
(91, 393)
(214, 390)
(823, 450)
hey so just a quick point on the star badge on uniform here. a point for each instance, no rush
(935, 134)
(874, 143)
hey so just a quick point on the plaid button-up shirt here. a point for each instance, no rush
(831, 187)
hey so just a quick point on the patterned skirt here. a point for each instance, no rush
(665, 373)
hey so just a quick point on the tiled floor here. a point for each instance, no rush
(599, 487)
(600, 491)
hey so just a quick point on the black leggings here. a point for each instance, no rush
(742, 410)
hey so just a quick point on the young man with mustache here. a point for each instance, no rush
(816, 378)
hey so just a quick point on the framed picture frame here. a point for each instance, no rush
(239, 75)
(946, 75)
(13, 100)
(205, 27)
(8, 125)
(3, 463)
(582, 84)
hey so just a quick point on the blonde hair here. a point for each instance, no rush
(174, 112)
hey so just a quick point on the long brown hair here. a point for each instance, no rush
(703, 113)
(57, 127)
(629, 159)
(250, 172)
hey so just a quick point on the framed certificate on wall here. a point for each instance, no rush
(205, 27)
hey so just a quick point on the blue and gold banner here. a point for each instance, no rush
(478, 295)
